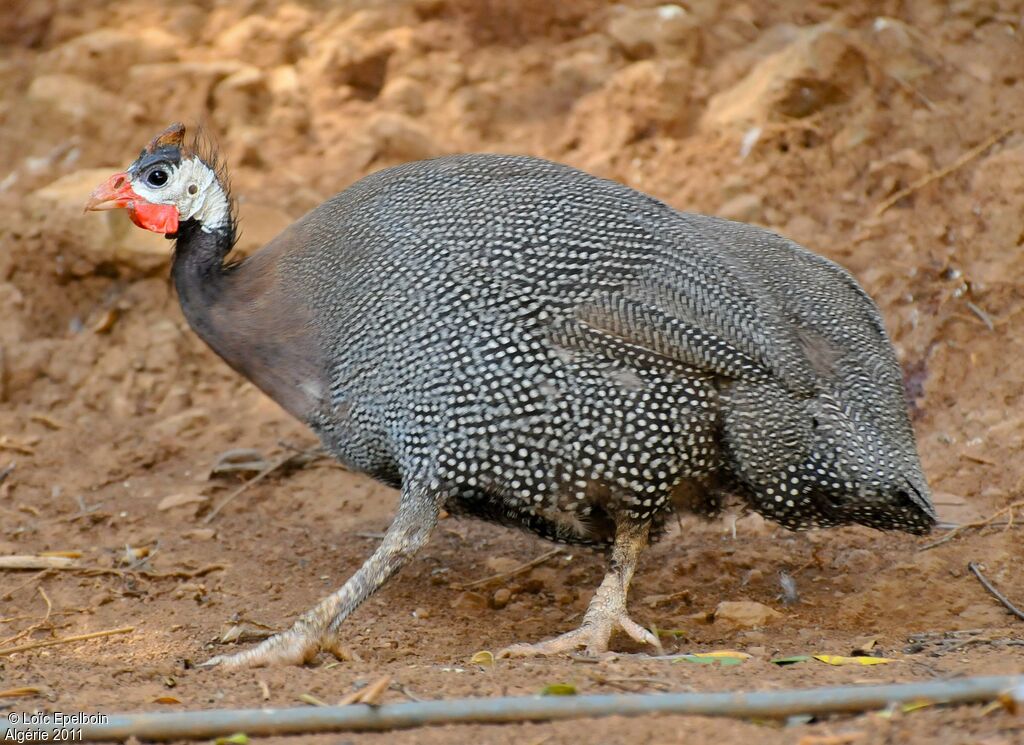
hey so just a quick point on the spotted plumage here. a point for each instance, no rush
(516, 340)
(561, 347)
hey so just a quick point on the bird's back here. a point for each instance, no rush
(509, 315)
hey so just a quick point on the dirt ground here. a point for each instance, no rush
(807, 117)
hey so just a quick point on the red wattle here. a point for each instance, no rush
(160, 218)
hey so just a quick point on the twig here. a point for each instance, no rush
(976, 571)
(929, 635)
(404, 689)
(985, 317)
(65, 640)
(977, 524)
(34, 578)
(37, 625)
(187, 725)
(511, 572)
(273, 466)
(620, 682)
(20, 692)
(369, 694)
(941, 173)
(37, 562)
(7, 471)
(181, 573)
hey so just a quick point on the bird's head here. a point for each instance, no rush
(168, 184)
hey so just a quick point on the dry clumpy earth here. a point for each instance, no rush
(805, 117)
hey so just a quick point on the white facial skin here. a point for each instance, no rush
(191, 187)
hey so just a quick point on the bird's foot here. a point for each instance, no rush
(297, 646)
(592, 637)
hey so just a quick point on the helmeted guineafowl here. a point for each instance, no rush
(513, 339)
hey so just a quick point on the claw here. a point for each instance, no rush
(607, 612)
(592, 637)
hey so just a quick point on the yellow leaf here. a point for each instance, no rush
(482, 658)
(559, 689)
(836, 659)
(166, 700)
(309, 698)
(62, 554)
(915, 705)
(730, 654)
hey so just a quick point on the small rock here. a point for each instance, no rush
(100, 598)
(500, 598)
(743, 208)
(642, 100)
(399, 138)
(404, 95)
(745, 614)
(95, 54)
(819, 68)
(179, 424)
(667, 30)
(469, 600)
(181, 499)
(182, 87)
(79, 100)
(500, 564)
(201, 534)
(264, 41)
(242, 97)
(32, 361)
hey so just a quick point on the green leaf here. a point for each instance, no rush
(791, 660)
(239, 738)
(725, 658)
(558, 689)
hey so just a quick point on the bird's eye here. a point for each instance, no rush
(157, 177)
(814, 422)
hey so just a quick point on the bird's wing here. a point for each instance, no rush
(701, 305)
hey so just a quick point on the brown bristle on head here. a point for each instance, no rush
(173, 136)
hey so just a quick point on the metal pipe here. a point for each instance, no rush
(187, 725)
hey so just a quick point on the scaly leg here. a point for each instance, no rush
(607, 611)
(317, 628)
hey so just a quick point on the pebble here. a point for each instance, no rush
(500, 598)
(745, 613)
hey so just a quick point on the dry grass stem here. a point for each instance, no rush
(37, 562)
(66, 640)
(511, 572)
(941, 173)
(976, 571)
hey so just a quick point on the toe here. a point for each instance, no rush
(638, 633)
(289, 648)
(559, 645)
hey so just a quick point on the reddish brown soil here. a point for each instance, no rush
(110, 404)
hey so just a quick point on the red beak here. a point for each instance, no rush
(113, 193)
(117, 192)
